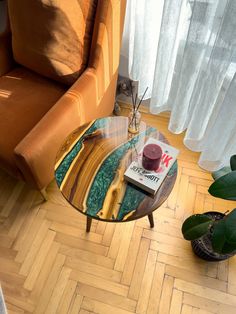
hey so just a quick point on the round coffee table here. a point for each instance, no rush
(90, 166)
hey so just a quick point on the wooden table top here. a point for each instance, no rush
(90, 166)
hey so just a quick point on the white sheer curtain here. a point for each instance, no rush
(185, 51)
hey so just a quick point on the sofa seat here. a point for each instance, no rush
(25, 97)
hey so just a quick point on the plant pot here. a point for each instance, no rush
(202, 247)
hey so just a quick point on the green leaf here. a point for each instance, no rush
(228, 248)
(230, 226)
(224, 187)
(219, 173)
(218, 236)
(196, 226)
(233, 162)
(220, 243)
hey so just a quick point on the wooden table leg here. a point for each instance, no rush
(88, 225)
(150, 218)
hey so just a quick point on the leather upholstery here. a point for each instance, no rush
(58, 111)
(25, 99)
(60, 50)
(6, 60)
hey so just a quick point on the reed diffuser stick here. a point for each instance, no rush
(134, 119)
(134, 109)
(131, 88)
(135, 101)
(142, 98)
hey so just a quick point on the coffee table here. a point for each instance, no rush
(90, 166)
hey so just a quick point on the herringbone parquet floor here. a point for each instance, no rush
(48, 264)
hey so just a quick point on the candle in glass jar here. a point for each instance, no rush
(151, 157)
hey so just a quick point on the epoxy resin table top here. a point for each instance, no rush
(90, 166)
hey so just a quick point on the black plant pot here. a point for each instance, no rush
(202, 247)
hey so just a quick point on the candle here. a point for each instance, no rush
(151, 157)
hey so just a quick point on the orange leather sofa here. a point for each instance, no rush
(37, 111)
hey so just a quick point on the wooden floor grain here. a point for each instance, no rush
(49, 264)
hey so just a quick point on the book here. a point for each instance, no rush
(150, 181)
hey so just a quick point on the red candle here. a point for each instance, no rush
(151, 157)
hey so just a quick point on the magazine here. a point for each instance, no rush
(150, 181)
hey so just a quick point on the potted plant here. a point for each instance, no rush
(213, 234)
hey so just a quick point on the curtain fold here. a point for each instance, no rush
(185, 52)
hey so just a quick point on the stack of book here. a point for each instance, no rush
(150, 181)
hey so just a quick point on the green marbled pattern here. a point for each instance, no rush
(132, 198)
(68, 159)
(173, 169)
(106, 175)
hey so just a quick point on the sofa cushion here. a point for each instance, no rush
(52, 37)
(25, 97)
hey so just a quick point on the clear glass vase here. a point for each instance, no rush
(134, 121)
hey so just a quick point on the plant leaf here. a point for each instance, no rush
(195, 226)
(228, 248)
(224, 187)
(219, 173)
(233, 162)
(220, 243)
(230, 226)
(218, 236)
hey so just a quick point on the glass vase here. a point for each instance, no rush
(134, 121)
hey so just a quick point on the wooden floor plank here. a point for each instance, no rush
(101, 308)
(49, 264)
(39, 260)
(204, 292)
(196, 278)
(45, 271)
(176, 302)
(166, 294)
(34, 249)
(187, 309)
(156, 289)
(132, 255)
(81, 244)
(58, 291)
(207, 305)
(87, 256)
(75, 307)
(50, 284)
(99, 282)
(12, 199)
(39, 226)
(91, 268)
(146, 282)
(124, 247)
(110, 298)
(66, 298)
(139, 269)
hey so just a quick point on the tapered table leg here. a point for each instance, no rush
(150, 218)
(88, 225)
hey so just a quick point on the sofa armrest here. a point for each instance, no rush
(35, 154)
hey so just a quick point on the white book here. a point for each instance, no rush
(150, 181)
